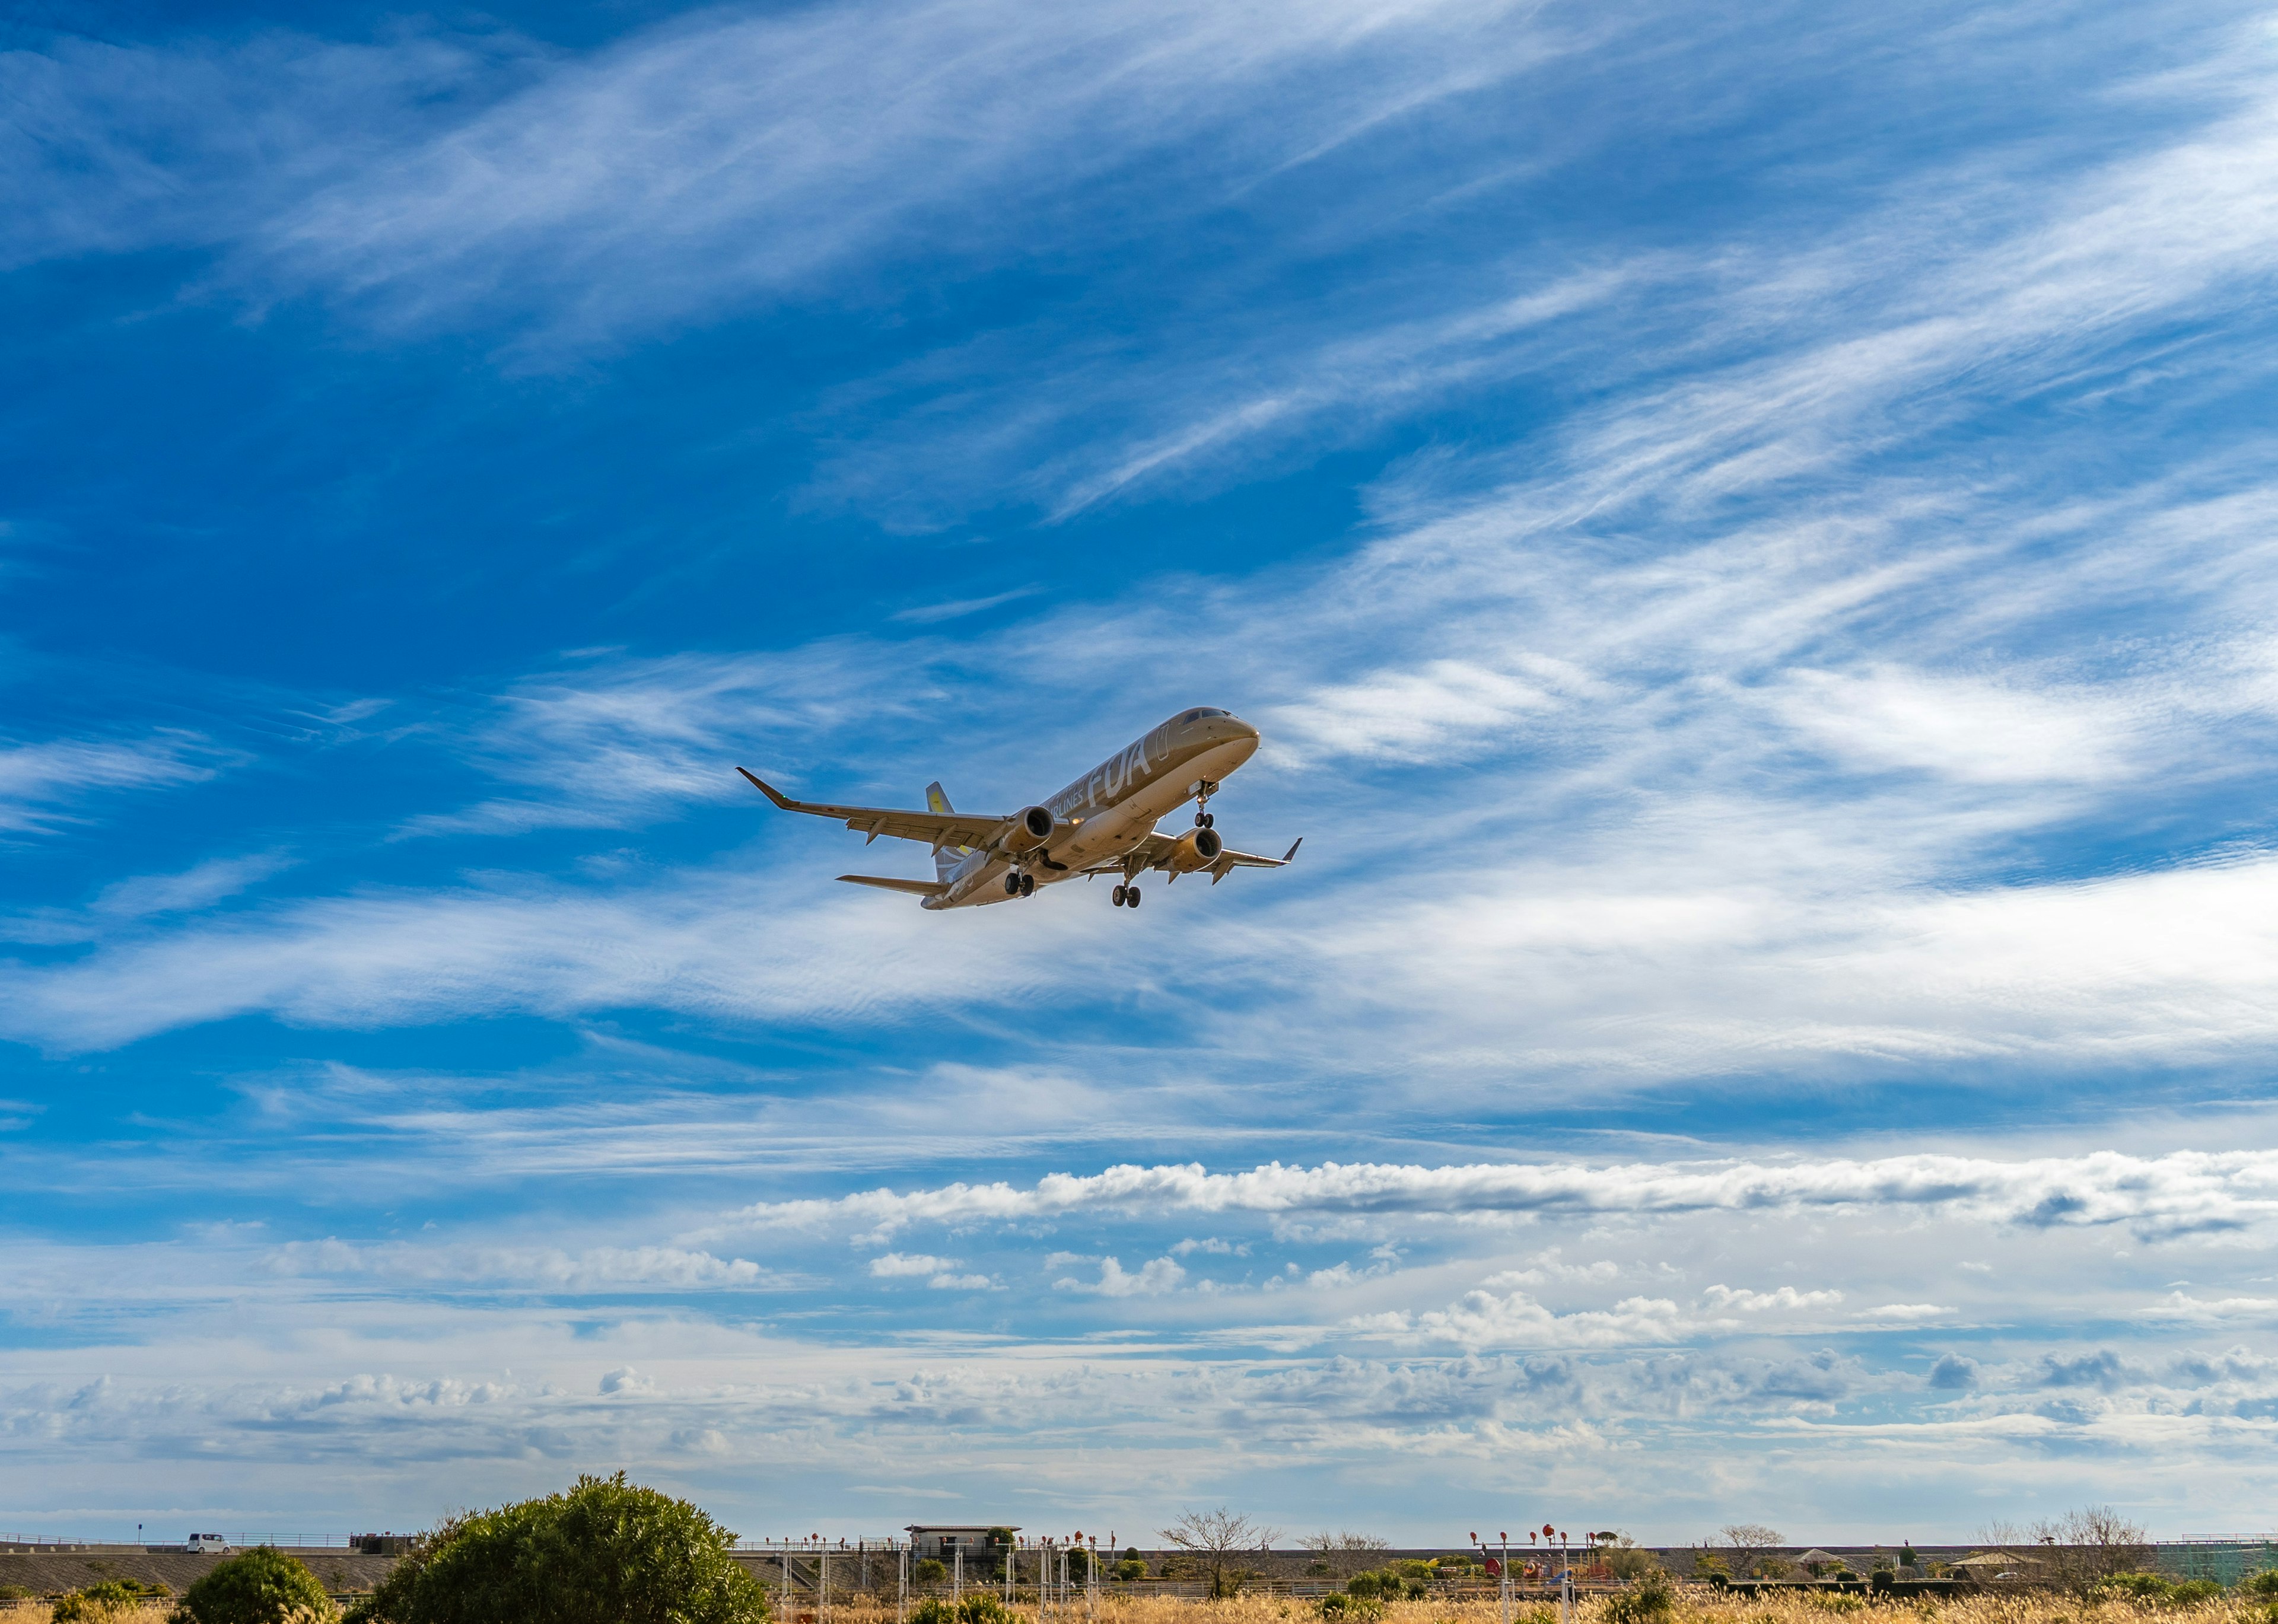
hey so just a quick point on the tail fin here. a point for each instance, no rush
(945, 857)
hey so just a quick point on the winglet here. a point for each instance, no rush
(1285, 855)
(770, 792)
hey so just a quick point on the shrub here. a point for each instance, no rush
(979, 1607)
(113, 1599)
(260, 1585)
(605, 1552)
(1349, 1609)
(2264, 1585)
(2136, 1587)
(2191, 1592)
(1837, 1601)
(17, 1592)
(1131, 1567)
(1629, 1560)
(1649, 1599)
(933, 1570)
(1390, 1584)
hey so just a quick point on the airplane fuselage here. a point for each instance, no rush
(1111, 811)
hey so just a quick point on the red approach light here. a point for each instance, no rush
(1547, 1531)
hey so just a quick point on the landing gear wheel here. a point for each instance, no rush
(1210, 821)
(1028, 885)
(1131, 898)
(1120, 893)
(1012, 885)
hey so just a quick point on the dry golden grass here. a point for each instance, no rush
(1694, 1607)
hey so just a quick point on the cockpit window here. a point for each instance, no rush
(1201, 711)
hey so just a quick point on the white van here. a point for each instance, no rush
(205, 1542)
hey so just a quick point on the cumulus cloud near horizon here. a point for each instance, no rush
(2180, 1193)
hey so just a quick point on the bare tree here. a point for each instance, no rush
(1345, 1553)
(2093, 1543)
(1750, 1541)
(1217, 1537)
(2078, 1549)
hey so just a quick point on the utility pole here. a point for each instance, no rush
(957, 1575)
(822, 1587)
(902, 1584)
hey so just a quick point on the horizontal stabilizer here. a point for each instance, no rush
(915, 887)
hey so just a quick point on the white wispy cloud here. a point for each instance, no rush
(536, 1268)
(48, 781)
(714, 160)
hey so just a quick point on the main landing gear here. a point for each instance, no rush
(1202, 819)
(1126, 897)
(1020, 885)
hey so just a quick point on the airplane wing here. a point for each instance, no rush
(1229, 860)
(1154, 851)
(915, 887)
(935, 829)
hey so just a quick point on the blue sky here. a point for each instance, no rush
(1750, 537)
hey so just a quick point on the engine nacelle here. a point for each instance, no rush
(1194, 850)
(1032, 827)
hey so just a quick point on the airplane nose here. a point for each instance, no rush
(1235, 727)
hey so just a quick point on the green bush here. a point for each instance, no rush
(1349, 1609)
(2138, 1587)
(1649, 1598)
(102, 1603)
(2191, 1592)
(1837, 1601)
(1131, 1567)
(2264, 1585)
(1389, 1584)
(979, 1607)
(605, 1552)
(260, 1585)
(17, 1592)
(933, 1570)
(1629, 1560)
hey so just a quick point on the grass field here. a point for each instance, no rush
(1693, 1606)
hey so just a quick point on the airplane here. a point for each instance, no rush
(1101, 824)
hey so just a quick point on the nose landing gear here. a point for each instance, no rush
(1203, 817)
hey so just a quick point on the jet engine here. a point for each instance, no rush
(1194, 850)
(1032, 827)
